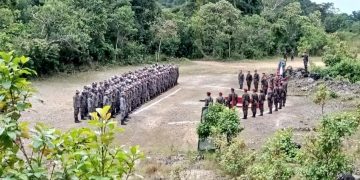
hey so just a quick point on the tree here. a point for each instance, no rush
(122, 23)
(164, 30)
(215, 25)
(321, 96)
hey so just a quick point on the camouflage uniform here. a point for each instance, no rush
(241, 79)
(270, 99)
(245, 104)
(77, 106)
(261, 102)
(254, 102)
(249, 79)
(256, 81)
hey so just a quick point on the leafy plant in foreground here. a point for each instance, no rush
(85, 153)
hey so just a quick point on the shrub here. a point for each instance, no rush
(322, 157)
(234, 158)
(277, 160)
(220, 119)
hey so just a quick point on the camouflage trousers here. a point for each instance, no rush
(76, 114)
(245, 110)
(261, 107)
(253, 109)
(270, 106)
(256, 85)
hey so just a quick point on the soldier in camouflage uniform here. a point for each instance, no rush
(249, 79)
(220, 99)
(276, 97)
(208, 100)
(77, 105)
(245, 103)
(264, 83)
(254, 102)
(270, 99)
(256, 80)
(83, 105)
(262, 99)
(241, 79)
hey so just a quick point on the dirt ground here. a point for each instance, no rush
(168, 123)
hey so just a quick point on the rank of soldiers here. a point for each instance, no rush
(126, 92)
(273, 89)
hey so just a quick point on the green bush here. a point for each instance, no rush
(346, 68)
(323, 157)
(277, 160)
(219, 119)
(235, 158)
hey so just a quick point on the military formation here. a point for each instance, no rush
(271, 88)
(126, 92)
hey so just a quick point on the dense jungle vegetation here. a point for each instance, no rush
(59, 35)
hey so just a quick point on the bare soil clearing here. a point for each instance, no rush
(170, 120)
(168, 123)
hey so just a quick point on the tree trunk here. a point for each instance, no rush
(229, 49)
(158, 55)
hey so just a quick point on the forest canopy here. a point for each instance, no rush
(59, 35)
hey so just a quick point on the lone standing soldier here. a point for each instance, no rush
(261, 102)
(232, 98)
(285, 55)
(220, 99)
(249, 79)
(306, 61)
(245, 103)
(254, 102)
(241, 79)
(292, 54)
(256, 80)
(77, 104)
(270, 99)
(208, 99)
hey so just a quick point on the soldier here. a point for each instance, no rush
(241, 79)
(77, 105)
(90, 103)
(271, 80)
(249, 79)
(122, 107)
(254, 101)
(245, 103)
(270, 99)
(306, 61)
(220, 99)
(264, 83)
(281, 95)
(292, 54)
(208, 99)
(106, 99)
(256, 80)
(276, 97)
(83, 105)
(232, 98)
(285, 91)
(285, 55)
(261, 102)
